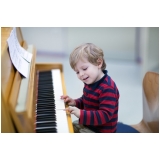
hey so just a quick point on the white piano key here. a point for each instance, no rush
(59, 104)
(62, 124)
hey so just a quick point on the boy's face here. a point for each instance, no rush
(87, 72)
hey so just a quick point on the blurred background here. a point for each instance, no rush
(129, 53)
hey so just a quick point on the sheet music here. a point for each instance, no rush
(26, 55)
(20, 58)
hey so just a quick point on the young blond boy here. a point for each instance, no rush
(97, 109)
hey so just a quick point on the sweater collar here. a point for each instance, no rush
(93, 86)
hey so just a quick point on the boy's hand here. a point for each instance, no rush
(73, 110)
(69, 101)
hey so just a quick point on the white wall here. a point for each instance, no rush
(46, 39)
(153, 47)
(149, 49)
(117, 42)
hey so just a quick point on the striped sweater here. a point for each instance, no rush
(99, 105)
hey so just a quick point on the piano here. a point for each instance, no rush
(33, 104)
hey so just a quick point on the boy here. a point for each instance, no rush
(97, 109)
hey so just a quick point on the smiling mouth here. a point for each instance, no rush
(85, 78)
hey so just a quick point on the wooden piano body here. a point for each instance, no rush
(18, 115)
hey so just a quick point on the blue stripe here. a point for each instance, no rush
(90, 92)
(92, 100)
(90, 107)
(106, 116)
(109, 80)
(99, 118)
(116, 111)
(101, 88)
(107, 106)
(113, 119)
(108, 98)
(106, 90)
(85, 117)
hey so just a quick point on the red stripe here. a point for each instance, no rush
(108, 94)
(91, 103)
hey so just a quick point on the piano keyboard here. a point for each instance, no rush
(50, 116)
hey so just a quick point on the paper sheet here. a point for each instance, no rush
(19, 56)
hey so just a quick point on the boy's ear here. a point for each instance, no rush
(99, 62)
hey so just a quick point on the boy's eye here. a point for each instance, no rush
(77, 72)
(85, 69)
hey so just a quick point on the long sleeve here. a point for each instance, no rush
(106, 112)
(79, 103)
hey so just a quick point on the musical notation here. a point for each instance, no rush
(19, 56)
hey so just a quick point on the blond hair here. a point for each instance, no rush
(89, 51)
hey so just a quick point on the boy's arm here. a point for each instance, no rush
(79, 103)
(108, 106)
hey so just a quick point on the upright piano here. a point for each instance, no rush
(31, 105)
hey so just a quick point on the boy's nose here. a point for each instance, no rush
(81, 73)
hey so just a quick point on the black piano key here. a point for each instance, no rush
(44, 114)
(46, 118)
(46, 104)
(45, 107)
(42, 109)
(45, 111)
(50, 115)
(50, 97)
(42, 119)
(51, 130)
(46, 99)
(45, 73)
(46, 95)
(42, 96)
(49, 100)
(42, 106)
(45, 91)
(45, 78)
(44, 82)
(46, 124)
(39, 112)
(42, 92)
(45, 86)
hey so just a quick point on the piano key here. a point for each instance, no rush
(46, 124)
(48, 97)
(46, 101)
(46, 118)
(46, 130)
(51, 130)
(42, 119)
(44, 106)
